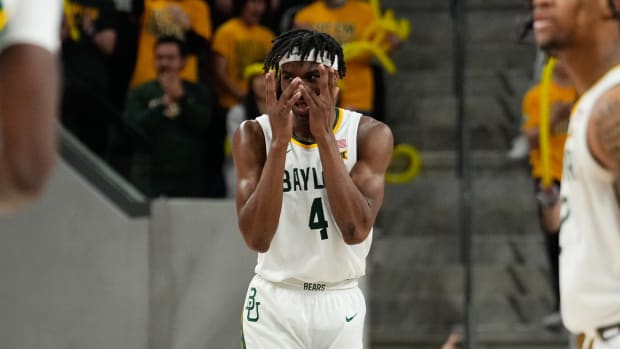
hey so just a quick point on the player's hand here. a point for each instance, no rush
(279, 110)
(322, 107)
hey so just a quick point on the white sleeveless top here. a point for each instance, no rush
(590, 232)
(35, 22)
(308, 245)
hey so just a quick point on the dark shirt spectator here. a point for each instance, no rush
(169, 117)
(88, 41)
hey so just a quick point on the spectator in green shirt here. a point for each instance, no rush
(168, 118)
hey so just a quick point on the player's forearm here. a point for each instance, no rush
(351, 209)
(28, 128)
(20, 184)
(260, 215)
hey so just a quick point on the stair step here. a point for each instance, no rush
(402, 253)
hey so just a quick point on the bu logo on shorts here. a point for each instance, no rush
(252, 307)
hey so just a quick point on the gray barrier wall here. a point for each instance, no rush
(200, 268)
(76, 272)
(73, 272)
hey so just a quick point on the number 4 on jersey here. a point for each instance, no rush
(317, 217)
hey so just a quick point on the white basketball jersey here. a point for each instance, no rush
(308, 245)
(35, 22)
(590, 231)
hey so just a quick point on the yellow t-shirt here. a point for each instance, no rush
(240, 45)
(557, 137)
(156, 23)
(346, 23)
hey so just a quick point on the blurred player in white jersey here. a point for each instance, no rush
(585, 36)
(310, 184)
(29, 40)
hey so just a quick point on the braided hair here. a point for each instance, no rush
(302, 42)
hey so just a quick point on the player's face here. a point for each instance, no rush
(308, 72)
(556, 22)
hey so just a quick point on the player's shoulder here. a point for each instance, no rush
(607, 106)
(370, 128)
(250, 128)
(603, 128)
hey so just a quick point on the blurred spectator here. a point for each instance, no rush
(237, 43)
(562, 95)
(121, 69)
(169, 117)
(88, 41)
(346, 21)
(221, 11)
(286, 12)
(187, 20)
(253, 105)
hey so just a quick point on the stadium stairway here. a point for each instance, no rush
(416, 278)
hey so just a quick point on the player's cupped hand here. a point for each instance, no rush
(279, 109)
(322, 106)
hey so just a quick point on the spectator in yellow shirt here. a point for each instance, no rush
(562, 94)
(187, 20)
(345, 20)
(239, 42)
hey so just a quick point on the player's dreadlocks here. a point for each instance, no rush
(301, 42)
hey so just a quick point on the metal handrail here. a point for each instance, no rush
(458, 13)
(107, 181)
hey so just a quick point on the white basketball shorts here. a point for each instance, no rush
(303, 316)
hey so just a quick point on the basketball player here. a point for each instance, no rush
(585, 35)
(29, 38)
(310, 184)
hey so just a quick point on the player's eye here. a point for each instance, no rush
(313, 77)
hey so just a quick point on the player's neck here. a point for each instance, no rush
(587, 66)
(562, 80)
(304, 137)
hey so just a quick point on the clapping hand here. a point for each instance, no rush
(172, 86)
(560, 115)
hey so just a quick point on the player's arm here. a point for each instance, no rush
(259, 175)
(355, 198)
(603, 133)
(28, 110)
(259, 185)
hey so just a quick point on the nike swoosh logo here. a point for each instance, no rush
(348, 319)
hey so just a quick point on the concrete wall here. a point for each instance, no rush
(76, 272)
(200, 269)
(73, 272)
